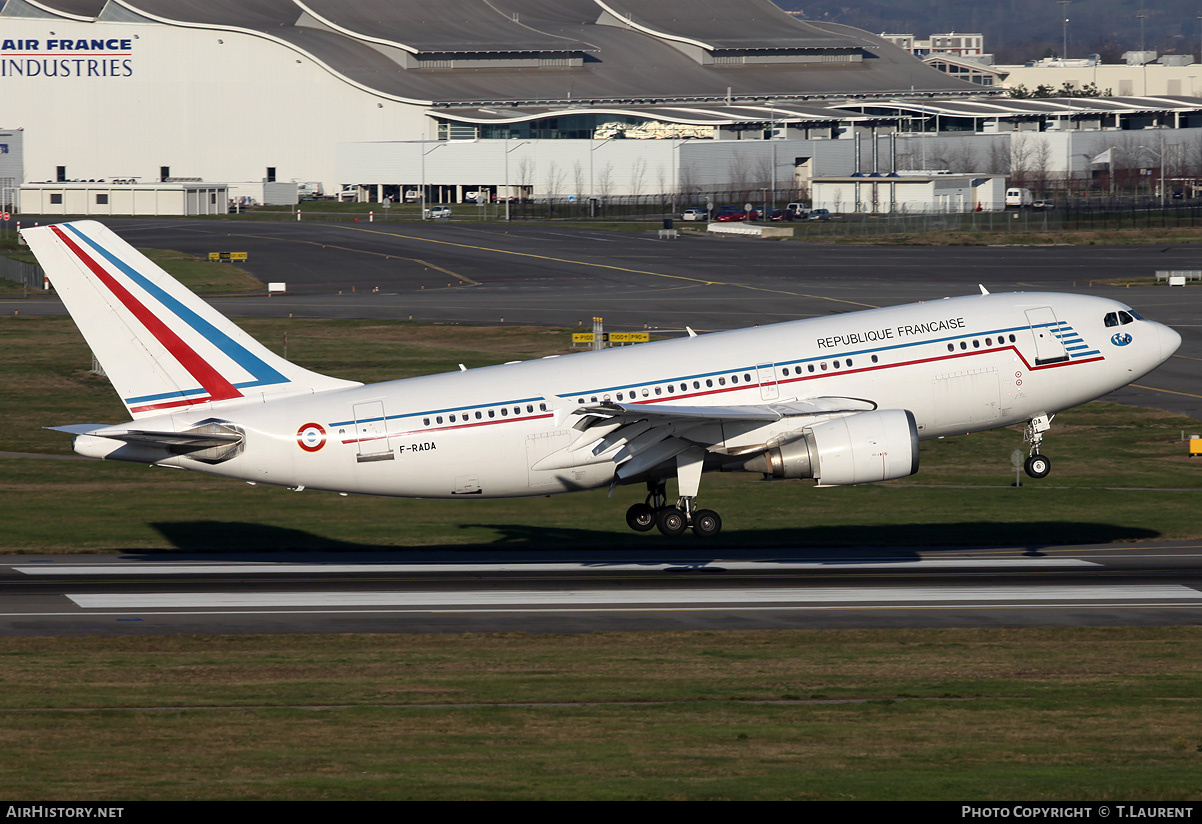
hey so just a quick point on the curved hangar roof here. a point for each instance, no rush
(553, 52)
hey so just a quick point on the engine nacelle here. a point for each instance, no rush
(856, 449)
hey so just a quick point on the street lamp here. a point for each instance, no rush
(591, 194)
(1065, 4)
(424, 153)
(507, 151)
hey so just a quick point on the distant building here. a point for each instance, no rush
(964, 45)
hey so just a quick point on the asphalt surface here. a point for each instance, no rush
(1149, 584)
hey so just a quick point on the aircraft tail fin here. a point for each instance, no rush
(162, 347)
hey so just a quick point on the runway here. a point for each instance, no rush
(1145, 584)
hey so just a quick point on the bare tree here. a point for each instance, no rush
(554, 182)
(638, 174)
(525, 176)
(1041, 163)
(578, 179)
(605, 180)
(999, 158)
(962, 158)
(1020, 159)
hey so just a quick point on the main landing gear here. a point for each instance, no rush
(1037, 465)
(671, 519)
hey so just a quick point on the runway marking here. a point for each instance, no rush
(701, 281)
(131, 601)
(1075, 605)
(253, 568)
(1166, 391)
(446, 271)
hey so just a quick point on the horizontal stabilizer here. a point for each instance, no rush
(175, 441)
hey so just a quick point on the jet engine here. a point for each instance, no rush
(856, 449)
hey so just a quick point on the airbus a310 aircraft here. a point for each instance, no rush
(843, 400)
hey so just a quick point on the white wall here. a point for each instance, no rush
(208, 104)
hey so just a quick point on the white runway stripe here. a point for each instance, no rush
(569, 566)
(627, 597)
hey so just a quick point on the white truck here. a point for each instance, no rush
(1018, 198)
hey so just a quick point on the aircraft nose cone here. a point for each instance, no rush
(1170, 341)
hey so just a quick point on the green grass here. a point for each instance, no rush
(963, 493)
(987, 715)
(198, 275)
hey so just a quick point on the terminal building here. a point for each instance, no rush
(512, 98)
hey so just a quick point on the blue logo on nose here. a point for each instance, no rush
(1120, 339)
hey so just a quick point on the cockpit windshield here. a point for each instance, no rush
(1122, 318)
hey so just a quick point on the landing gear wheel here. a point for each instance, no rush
(706, 523)
(640, 518)
(671, 521)
(1038, 466)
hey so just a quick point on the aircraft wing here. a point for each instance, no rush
(639, 437)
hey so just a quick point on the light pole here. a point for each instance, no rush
(507, 151)
(1065, 4)
(422, 146)
(591, 194)
(772, 137)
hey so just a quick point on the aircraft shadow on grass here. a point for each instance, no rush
(205, 539)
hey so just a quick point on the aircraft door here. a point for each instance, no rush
(371, 433)
(1046, 330)
(766, 375)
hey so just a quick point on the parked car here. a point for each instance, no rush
(1043, 204)
(438, 212)
(695, 214)
(820, 214)
(798, 209)
(782, 214)
(729, 213)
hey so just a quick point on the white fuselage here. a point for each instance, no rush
(959, 365)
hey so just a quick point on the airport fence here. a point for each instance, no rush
(1099, 215)
(29, 274)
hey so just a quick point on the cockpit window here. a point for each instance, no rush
(1112, 318)
(1137, 315)
(1124, 318)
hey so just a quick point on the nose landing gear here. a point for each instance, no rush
(1037, 465)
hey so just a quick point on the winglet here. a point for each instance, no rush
(984, 291)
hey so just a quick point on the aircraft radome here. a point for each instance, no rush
(843, 400)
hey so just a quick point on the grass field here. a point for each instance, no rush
(988, 715)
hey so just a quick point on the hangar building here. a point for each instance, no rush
(307, 90)
(537, 98)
